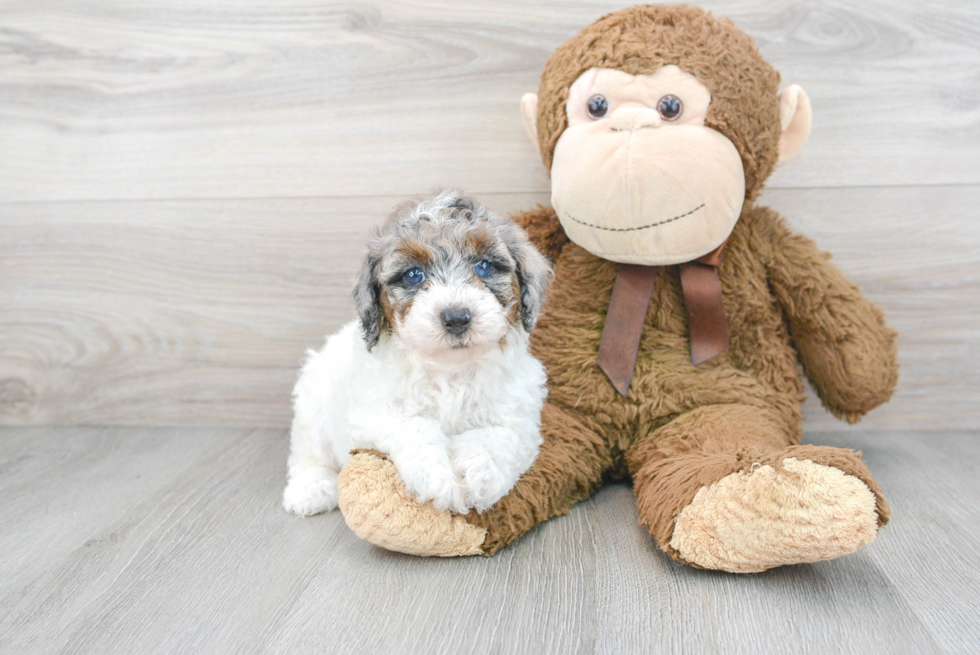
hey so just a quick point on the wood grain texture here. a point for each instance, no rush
(199, 312)
(172, 540)
(168, 99)
(185, 190)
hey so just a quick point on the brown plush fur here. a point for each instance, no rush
(684, 428)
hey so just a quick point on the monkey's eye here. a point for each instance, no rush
(414, 277)
(670, 108)
(598, 106)
(483, 268)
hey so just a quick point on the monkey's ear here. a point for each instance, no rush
(367, 301)
(794, 116)
(529, 109)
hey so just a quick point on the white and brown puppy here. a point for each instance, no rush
(437, 373)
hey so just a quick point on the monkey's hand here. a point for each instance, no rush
(379, 509)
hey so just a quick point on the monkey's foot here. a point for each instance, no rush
(378, 508)
(790, 512)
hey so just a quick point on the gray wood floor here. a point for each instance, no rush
(164, 540)
(185, 188)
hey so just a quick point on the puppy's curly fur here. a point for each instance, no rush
(437, 371)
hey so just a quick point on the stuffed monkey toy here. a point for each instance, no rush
(680, 316)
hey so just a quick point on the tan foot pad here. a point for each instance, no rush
(758, 519)
(378, 508)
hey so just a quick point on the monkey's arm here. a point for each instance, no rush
(847, 351)
(544, 230)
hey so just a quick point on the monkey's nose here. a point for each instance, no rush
(456, 320)
(633, 118)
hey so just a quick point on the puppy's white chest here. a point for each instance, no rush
(458, 404)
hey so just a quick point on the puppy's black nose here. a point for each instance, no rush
(456, 320)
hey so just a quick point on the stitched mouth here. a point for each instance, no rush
(632, 229)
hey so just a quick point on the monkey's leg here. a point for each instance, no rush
(722, 487)
(568, 469)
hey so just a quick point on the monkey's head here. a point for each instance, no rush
(657, 123)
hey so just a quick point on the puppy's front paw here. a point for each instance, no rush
(310, 492)
(484, 483)
(428, 479)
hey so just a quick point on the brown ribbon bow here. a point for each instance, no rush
(707, 324)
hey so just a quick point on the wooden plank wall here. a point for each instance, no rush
(185, 187)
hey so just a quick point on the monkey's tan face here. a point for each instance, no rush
(637, 177)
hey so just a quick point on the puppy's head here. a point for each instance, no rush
(450, 278)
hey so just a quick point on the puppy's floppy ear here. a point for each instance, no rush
(462, 202)
(533, 273)
(367, 299)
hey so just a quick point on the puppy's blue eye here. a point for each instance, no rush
(483, 268)
(414, 277)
